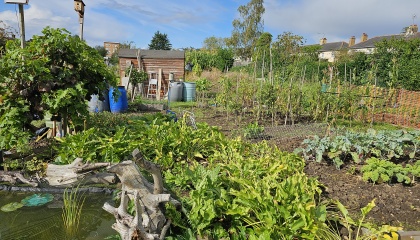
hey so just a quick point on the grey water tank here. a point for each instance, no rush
(175, 92)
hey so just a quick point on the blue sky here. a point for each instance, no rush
(188, 22)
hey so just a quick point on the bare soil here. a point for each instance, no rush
(396, 204)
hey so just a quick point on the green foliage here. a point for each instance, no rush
(247, 28)
(262, 53)
(395, 144)
(137, 77)
(253, 130)
(35, 165)
(13, 111)
(106, 122)
(214, 43)
(355, 225)
(70, 101)
(201, 60)
(6, 33)
(101, 50)
(203, 86)
(398, 66)
(244, 190)
(95, 146)
(160, 41)
(55, 70)
(379, 171)
(226, 98)
(250, 191)
(161, 139)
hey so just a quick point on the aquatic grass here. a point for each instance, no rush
(73, 202)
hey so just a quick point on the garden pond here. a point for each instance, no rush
(46, 222)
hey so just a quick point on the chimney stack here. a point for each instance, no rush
(323, 41)
(352, 41)
(364, 37)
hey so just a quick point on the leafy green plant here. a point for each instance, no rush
(55, 72)
(354, 226)
(253, 130)
(137, 76)
(81, 145)
(12, 122)
(395, 144)
(377, 171)
(36, 165)
(203, 85)
(253, 191)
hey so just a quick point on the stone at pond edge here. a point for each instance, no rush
(37, 199)
(10, 207)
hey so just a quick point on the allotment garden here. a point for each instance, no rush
(306, 150)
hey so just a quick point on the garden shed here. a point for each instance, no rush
(171, 63)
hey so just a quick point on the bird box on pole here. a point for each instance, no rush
(79, 6)
(17, 1)
(22, 19)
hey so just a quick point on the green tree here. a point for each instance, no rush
(224, 59)
(160, 41)
(247, 28)
(286, 50)
(6, 33)
(397, 62)
(214, 43)
(101, 50)
(127, 45)
(56, 72)
(261, 54)
(113, 60)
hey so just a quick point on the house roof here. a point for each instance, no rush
(334, 46)
(370, 43)
(145, 53)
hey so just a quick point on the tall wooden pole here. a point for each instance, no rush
(81, 20)
(22, 26)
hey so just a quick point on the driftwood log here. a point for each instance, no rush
(14, 177)
(76, 172)
(149, 222)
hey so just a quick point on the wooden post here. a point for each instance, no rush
(22, 26)
(159, 86)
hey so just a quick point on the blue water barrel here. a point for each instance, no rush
(188, 92)
(121, 104)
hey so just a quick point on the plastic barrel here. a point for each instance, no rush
(324, 87)
(95, 105)
(118, 105)
(175, 91)
(188, 92)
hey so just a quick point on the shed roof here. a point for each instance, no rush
(146, 53)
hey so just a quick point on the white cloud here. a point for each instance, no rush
(339, 20)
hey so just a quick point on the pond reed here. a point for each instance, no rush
(73, 202)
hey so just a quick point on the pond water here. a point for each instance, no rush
(46, 222)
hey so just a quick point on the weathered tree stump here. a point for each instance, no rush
(149, 221)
